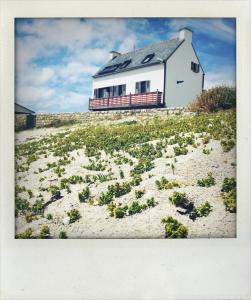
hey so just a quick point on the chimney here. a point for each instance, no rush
(186, 33)
(114, 54)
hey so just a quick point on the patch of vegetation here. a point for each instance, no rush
(27, 234)
(164, 184)
(202, 211)
(227, 145)
(174, 229)
(117, 211)
(151, 202)
(214, 99)
(95, 166)
(229, 183)
(139, 193)
(44, 232)
(74, 215)
(180, 150)
(230, 200)
(206, 151)
(121, 174)
(84, 195)
(229, 194)
(37, 207)
(62, 235)
(49, 217)
(119, 189)
(208, 181)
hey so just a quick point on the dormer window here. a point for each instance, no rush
(148, 58)
(195, 67)
(125, 64)
(109, 69)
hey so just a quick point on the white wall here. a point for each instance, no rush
(178, 67)
(153, 73)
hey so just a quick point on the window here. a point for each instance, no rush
(109, 69)
(110, 91)
(125, 64)
(195, 67)
(148, 58)
(142, 87)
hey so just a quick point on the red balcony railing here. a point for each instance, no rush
(127, 101)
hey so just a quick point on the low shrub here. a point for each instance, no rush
(230, 200)
(164, 184)
(206, 151)
(62, 235)
(119, 189)
(151, 202)
(229, 183)
(174, 229)
(21, 204)
(45, 232)
(207, 181)
(139, 193)
(227, 145)
(27, 234)
(203, 210)
(84, 195)
(37, 207)
(216, 98)
(105, 198)
(180, 150)
(134, 208)
(121, 174)
(178, 199)
(49, 217)
(74, 215)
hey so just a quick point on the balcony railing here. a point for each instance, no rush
(150, 99)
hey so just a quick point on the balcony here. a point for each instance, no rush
(145, 100)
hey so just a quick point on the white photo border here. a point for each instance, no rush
(125, 268)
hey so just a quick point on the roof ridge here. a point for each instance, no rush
(153, 44)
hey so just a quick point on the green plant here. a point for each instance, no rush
(49, 217)
(22, 204)
(44, 232)
(164, 184)
(230, 200)
(207, 181)
(139, 193)
(29, 217)
(206, 151)
(174, 229)
(27, 234)
(203, 210)
(134, 208)
(229, 183)
(227, 145)
(62, 235)
(151, 202)
(74, 215)
(173, 167)
(121, 174)
(37, 207)
(84, 195)
(216, 98)
(105, 198)
(178, 199)
(180, 150)
(119, 189)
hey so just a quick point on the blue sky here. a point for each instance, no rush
(56, 58)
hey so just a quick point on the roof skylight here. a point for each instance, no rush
(125, 64)
(148, 58)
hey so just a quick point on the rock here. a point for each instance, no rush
(38, 195)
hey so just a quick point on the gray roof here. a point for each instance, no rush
(162, 50)
(19, 109)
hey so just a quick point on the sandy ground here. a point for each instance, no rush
(95, 221)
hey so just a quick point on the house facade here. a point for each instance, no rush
(166, 74)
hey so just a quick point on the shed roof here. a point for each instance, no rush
(19, 109)
(162, 51)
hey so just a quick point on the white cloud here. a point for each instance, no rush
(214, 27)
(224, 76)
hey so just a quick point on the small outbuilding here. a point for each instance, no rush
(25, 117)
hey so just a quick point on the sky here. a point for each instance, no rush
(56, 58)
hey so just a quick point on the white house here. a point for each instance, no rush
(166, 74)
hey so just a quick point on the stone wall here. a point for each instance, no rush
(20, 121)
(97, 116)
